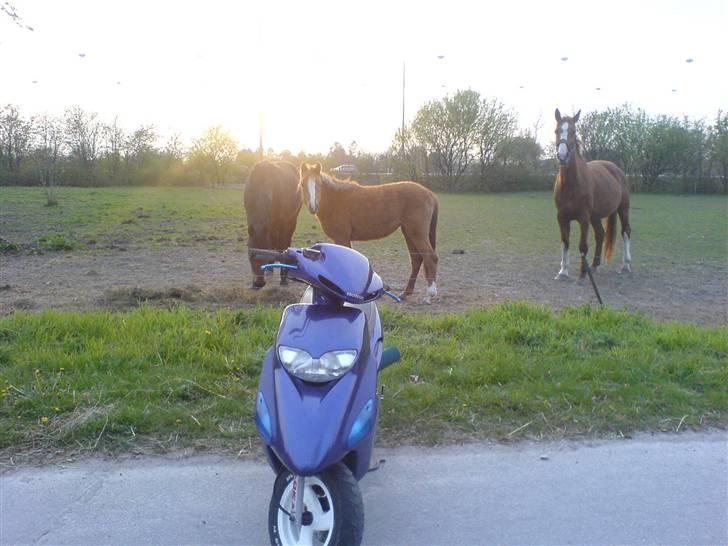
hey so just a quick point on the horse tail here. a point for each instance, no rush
(611, 235)
(433, 225)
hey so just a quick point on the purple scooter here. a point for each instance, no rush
(317, 401)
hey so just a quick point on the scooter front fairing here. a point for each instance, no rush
(307, 427)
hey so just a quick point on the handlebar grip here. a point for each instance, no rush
(390, 355)
(267, 254)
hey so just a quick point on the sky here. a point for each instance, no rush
(320, 72)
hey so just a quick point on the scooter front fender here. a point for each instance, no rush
(311, 423)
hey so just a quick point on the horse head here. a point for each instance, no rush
(566, 144)
(310, 184)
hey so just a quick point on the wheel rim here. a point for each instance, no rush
(317, 500)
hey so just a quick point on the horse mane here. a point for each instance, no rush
(337, 184)
(580, 150)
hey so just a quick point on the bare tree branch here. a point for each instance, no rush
(10, 10)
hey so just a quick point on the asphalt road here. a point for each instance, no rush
(661, 489)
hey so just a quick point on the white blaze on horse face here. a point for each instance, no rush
(563, 150)
(312, 194)
(565, 131)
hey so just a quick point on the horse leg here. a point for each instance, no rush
(564, 271)
(283, 242)
(430, 261)
(427, 256)
(583, 244)
(599, 240)
(258, 277)
(626, 232)
(415, 262)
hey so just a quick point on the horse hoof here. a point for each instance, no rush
(427, 300)
(254, 287)
(562, 277)
(284, 282)
(625, 269)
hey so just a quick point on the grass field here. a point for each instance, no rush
(158, 380)
(687, 227)
(162, 378)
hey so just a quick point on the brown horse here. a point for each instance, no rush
(272, 200)
(348, 211)
(587, 191)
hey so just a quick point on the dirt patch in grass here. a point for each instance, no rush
(663, 290)
(195, 296)
(186, 246)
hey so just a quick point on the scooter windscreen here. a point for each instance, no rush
(340, 271)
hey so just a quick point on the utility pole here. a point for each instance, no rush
(260, 136)
(402, 134)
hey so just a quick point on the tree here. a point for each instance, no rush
(353, 150)
(337, 155)
(446, 129)
(630, 135)
(213, 154)
(83, 132)
(496, 125)
(9, 9)
(664, 150)
(520, 151)
(718, 146)
(15, 135)
(48, 144)
(114, 138)
(597, 132)
(174, 148)
(137, 147)
(407, 164)
(696, 153)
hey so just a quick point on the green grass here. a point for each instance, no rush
(155, 379)
(56, 242)
(164, 379)
(684, 228)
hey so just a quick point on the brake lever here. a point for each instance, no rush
(282, 266)
(395, 297)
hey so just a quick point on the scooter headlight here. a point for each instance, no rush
(328, 367)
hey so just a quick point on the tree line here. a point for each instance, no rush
(463, 141)
(654, 150)
(455, 143)
(78, 148)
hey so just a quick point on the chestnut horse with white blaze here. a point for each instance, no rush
(587, 191)
(348, 211)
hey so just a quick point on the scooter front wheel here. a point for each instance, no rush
(332, 506)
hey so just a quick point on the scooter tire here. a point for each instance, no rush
(335, 489)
